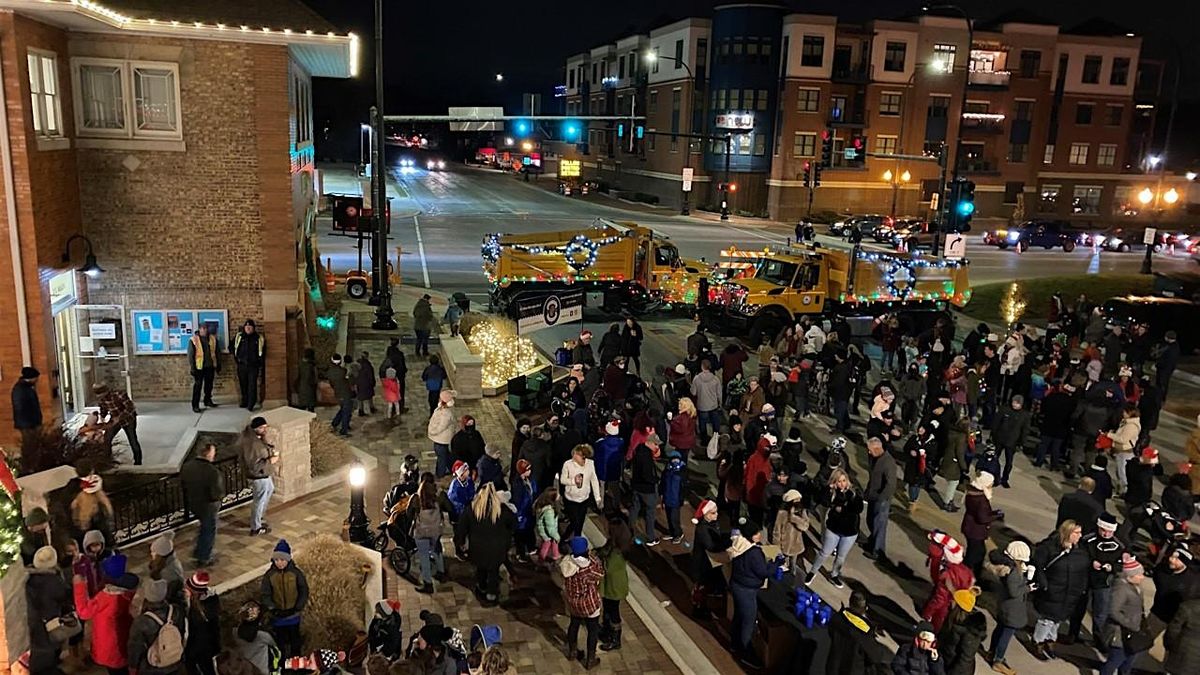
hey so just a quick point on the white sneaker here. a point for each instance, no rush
(654, 542)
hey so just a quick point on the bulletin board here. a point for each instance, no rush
(167, 331)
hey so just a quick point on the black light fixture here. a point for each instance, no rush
(89, 266)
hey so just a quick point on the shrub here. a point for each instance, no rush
(52, 447)
(336, 602)
(329, 451)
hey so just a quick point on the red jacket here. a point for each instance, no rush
(758, 474)
(108, 611)
(683, 432)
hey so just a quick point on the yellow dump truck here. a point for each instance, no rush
(790, 282)
(621, 266)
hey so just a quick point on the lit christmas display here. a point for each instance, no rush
(1012, 305)
(580, 254)
(10, 518)
(505, 354)
(900, 274)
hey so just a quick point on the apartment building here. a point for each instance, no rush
(1055, 121)
(172, 142)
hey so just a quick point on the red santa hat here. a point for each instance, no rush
(952, 551)
(613, 428)
(706, 506)
(1150, 455)
(460, 468)
(585, 334)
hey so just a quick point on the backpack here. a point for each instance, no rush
(428, 524)
(167, 648)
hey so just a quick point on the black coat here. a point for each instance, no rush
(467, 445)
(644, 471)
(844, 511)
(1168, 360)
(1141, 481)
(959, 643)
(488, 542)
(27, 412)
(1062, 577)
(912, 660)
(631, 340)
(1081, 507)
(853, 651)
(708, 539)
(1182, 639)
(203, 485)
(610, 346)
(204, 629)
(841, 384)
(47, 596)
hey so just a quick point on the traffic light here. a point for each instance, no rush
(808, 174)
(621, 130)
(856, 150)
(571, 131)
(827, 148)
(962, 205)
(816, 177)
(522, 127)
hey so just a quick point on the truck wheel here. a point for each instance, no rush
(1068, 246)
(763, 325)
(356, 288)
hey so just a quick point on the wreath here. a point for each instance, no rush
(581, 246)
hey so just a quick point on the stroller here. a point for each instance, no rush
(396, 525)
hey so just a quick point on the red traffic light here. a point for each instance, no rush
(733, 187)
(826, 134)
(807, 166)
(858, 142)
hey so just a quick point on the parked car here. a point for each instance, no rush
(1180, 284)
(1045, 234)
(912, 234)
(1116, 239)
(1177, 242)
(1160, 314)
(864, 224)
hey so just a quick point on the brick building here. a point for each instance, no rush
(1056, 121)
(176, 140)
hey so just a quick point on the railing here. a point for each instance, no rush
(156, 506)
(989, 78)
(854, 73)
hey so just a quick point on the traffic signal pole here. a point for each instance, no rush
(725, 192)
(384, 316)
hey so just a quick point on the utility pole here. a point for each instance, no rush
(725, 192)
(384, 316)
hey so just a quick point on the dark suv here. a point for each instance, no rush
(1046, 234)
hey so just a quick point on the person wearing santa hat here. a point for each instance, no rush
(461, 490)
(947, 574)
(204, 624)
(582, 353)
(1139, 475)
(609, 454)
(1122, 633)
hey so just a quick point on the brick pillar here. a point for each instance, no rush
(293, 472)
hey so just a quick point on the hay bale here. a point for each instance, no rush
(329, 451)
(336, 602)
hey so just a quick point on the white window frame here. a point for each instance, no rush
(899, 103)
(1110, 159)
(801, 134)
(885, 144)
(806, 94)
(1048, 154)
(945, 55)
(40, 112)
(128, 94)
(1079, 154)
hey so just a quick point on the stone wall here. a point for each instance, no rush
(293, 472)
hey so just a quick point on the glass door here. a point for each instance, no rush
(98, 341)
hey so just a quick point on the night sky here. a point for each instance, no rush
(447, 52)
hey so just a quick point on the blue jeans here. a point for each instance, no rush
(422, 346)
(745, 612)
(443, 459)
(707, 418)
(341, 421)
(841, 415)
(1001, 636)
(208, 532)
(877, 521)
(429, 557)
(888, 359)
(1119, 660)
(914, 492)
(830, 542)
(261, 489)
(647, 501)
(673, 527)
(1052, 447)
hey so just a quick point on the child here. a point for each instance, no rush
(791, 522)
(774, 495)
(391, 392)
(545, 529)
(672, 494)
(385, 635)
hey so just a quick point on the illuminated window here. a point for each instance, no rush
(43, 92)
(1079, 154)
(1086, 200)
(943, 56)
(812, 52)
(808, 100)
(889, 103)
(885, 145)
(893, 57)
(804, 144)
(1106, 154)
(130, 99)
(1048, 198)
(1048, 154)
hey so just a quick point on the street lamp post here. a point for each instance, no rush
(962, 104)
(651, 57)
(1160, 201)
(896, 181)
(358, 523)
(384, 316)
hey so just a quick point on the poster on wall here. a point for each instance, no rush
(167, 331)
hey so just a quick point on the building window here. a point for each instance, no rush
(303, 112)
(701, 56)
(1023, 110)
(1091, 69)
(1079, 154)
(1031, 62)
(765, 53)
(678, 54)
(977, 107)
(1048, 154)
(655, 60)
(131, 99)
(1106, 154)
(804, 144)
(1048, 199)
(633, 64)
(885, 145)
(741, 144)
(889, 103)
(760, 144)
(650, 141)
(1012, 190)
(739, 46)
(571, 79)
(939, 106)
(1083, 113)
(808, 100)
(1120, 72)
(595, 73)
(1115, 113)
(747, 99)
(621, 67)
(676, 108)
(1086, 200)
(752, 49)
(1018, 152)
(760, 102)
(43, 92)
(893, 57)
(943, 57)
(812, 52)
(652, 102)
(837, 108)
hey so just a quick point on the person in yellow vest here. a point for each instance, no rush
(248, 349)
(202, 359)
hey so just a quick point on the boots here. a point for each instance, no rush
(606, 630)
(614, 640)
(590, 661)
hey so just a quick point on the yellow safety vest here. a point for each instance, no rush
(198, 351)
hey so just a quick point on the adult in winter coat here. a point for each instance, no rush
(615, 586)
(1010, 428)
(855, 648)
(671, 489)
(306, 382)
(962, 635)
(919, 656)
(708, 538)
(1091, 417)
(156, 612)
(683, 428)
(524, 493)
(749, 569)
(843, 507)
(790, 526)
(467, 444)
(108, 613)
(948, 575)
(878, 496)
(644, 482)
(1011, 567)
(1182, 639)
(537, 451)
(364, 385)
(631, 342)
(1081, 506)
(758, 474)
(1056, 412)
(1140, 474)
(610, 345)
(1124, 441)
(440, 431)
(523, 433)
(1126, 615)
(954, 461)
(489, 469)
(977, 520)
(203, 608)
(47, 597)
(1062, 580)
(423, 324)
(609, 454)
(582, 573)
(486, 529)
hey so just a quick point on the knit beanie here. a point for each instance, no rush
(1130, 567)
(1106, 522)
(163, 545)
(282, 551)
(45, 558)
(965, 599)
(492, 450)
(199, 581)
(1018, 550)
(113, 567)
(579, 546)
(155, 591)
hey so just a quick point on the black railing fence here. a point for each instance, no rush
(155, 506)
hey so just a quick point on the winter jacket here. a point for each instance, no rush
(47, 597)
(1081, 507)
(610, 346)
(108, 612)
(203, 485)
(1104, 486)
(391, 389)
(284, 594)
(855, 648)
(1057, 410)
(749, 568)
(708, 538)
(758, 474)
(1171, 589)
(466, 445)
(256, 646)
(1062, 577)
(845, 507)
(977, 515)
(1125, 438)
(954, 456)
(958, 643)
(672, 482)
(610, 452)
(204, 628)
(537, 453)
(546, 526)
(385, 634)
(615, 584)
(1178, 502)
(1141, 481)
(707, 389)
(339, 380)
(423, 316)
(434, 376)
(1126, 611)
(790, 526)
(1182, 639)
(912, 660)
(364, 381)
(882, 483)
(1093, 415)
(441, 425)
(631, 340)
(580, 482)
(254, 455)
(752, 402)
(581, 584)
(144, 631)
(1192, 449)
(524, 492)
(489, 542)
(27, 412)
(1010, 428)
(683, 431)
(1106, 551)
(1013, 591)
(489, 470)
(460, 493)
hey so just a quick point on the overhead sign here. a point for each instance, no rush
(534, 314)
(488, 118)
(1150, 237)
(742, 121)
(570, 168)
(954, 247)
(688, 173)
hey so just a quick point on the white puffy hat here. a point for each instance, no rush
(612, 428)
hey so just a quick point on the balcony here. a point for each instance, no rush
(980, 166)
(989, 79)
(983, 123)
(857, 73)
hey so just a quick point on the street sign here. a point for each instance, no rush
(534, 314)
(569, 168)
(954, 246)
(1150, 237)
(688, 173)
(486, 115)
(741, 121)
(850, 153)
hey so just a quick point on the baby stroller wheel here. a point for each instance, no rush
(400, 560)
(380, 542)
